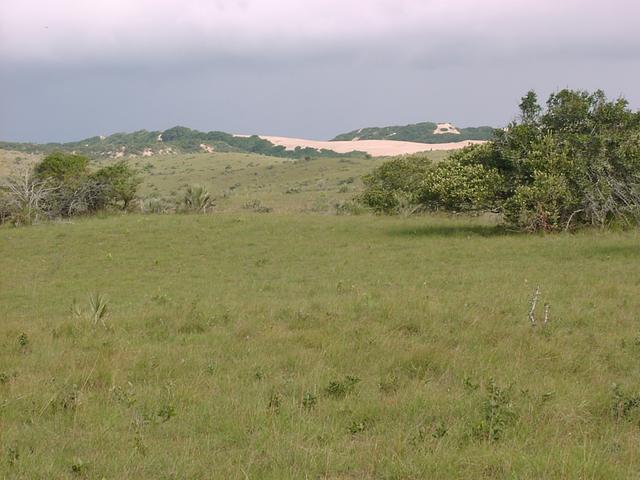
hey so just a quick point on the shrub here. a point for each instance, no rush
(497, 414)
(399, 175)
(197, 199)
(625, 405)
(339, 389)
(575, 163)
(63, 167)
(23, 199)
(456, 186)
(62, 186)
(119, 183)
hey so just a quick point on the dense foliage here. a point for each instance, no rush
(395, 181)
(577, 162)
(62, 185)
(417, 132)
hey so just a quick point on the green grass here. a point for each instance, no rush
(312, 346)
(236, 180)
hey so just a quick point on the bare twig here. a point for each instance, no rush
(26, 195)
(534, 302)
(546, 312)
(571, 218)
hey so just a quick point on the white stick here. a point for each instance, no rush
(534, 302)
(546, 312)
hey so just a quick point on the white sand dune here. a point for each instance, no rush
(375, 148)
(443, 128)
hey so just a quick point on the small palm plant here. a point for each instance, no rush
(97, 308)
(197, 199)
(97, 311)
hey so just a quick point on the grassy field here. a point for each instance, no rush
(11, 162)
(242, 345)
(241, 181)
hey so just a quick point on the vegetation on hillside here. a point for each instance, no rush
(577, 162)
(174, 140)
(418, 132)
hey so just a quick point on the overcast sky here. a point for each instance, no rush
(71, 69)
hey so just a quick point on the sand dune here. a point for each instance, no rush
(375, 148)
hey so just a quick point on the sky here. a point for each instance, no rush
(71, 69)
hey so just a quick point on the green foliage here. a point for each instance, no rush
(542, 205)
(119, 183)
(62, 167)
(402, 175)
(624, 405)
(177, 140)
(497, 414)
(418, 132)
(96, 311)
(61, 185)
(196, 199)
(339, 389)
(74, 191)
(309, 400)
(577, 162)
(455, 186)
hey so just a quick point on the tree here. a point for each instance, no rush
(119, 183)
(529, 108)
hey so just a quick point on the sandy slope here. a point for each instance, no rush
(375, 148)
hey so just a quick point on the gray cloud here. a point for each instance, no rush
(73, 68)
(114, 31)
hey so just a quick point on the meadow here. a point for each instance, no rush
(241, 181)
(303, 344)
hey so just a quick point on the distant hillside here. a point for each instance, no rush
(425, 132)
(174, 140)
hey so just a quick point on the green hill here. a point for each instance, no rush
(419, 132)
(173, 140)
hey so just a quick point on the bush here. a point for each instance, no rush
(401, 175)
(119, 183)
(61, 185)
(454, 186)
(196, 199)
(23, 198)
(575, 163)
(62, 167)
(5, 210)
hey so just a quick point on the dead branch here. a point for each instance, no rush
(534, 302)
(546, 313)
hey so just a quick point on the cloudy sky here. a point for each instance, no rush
(70, 69)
